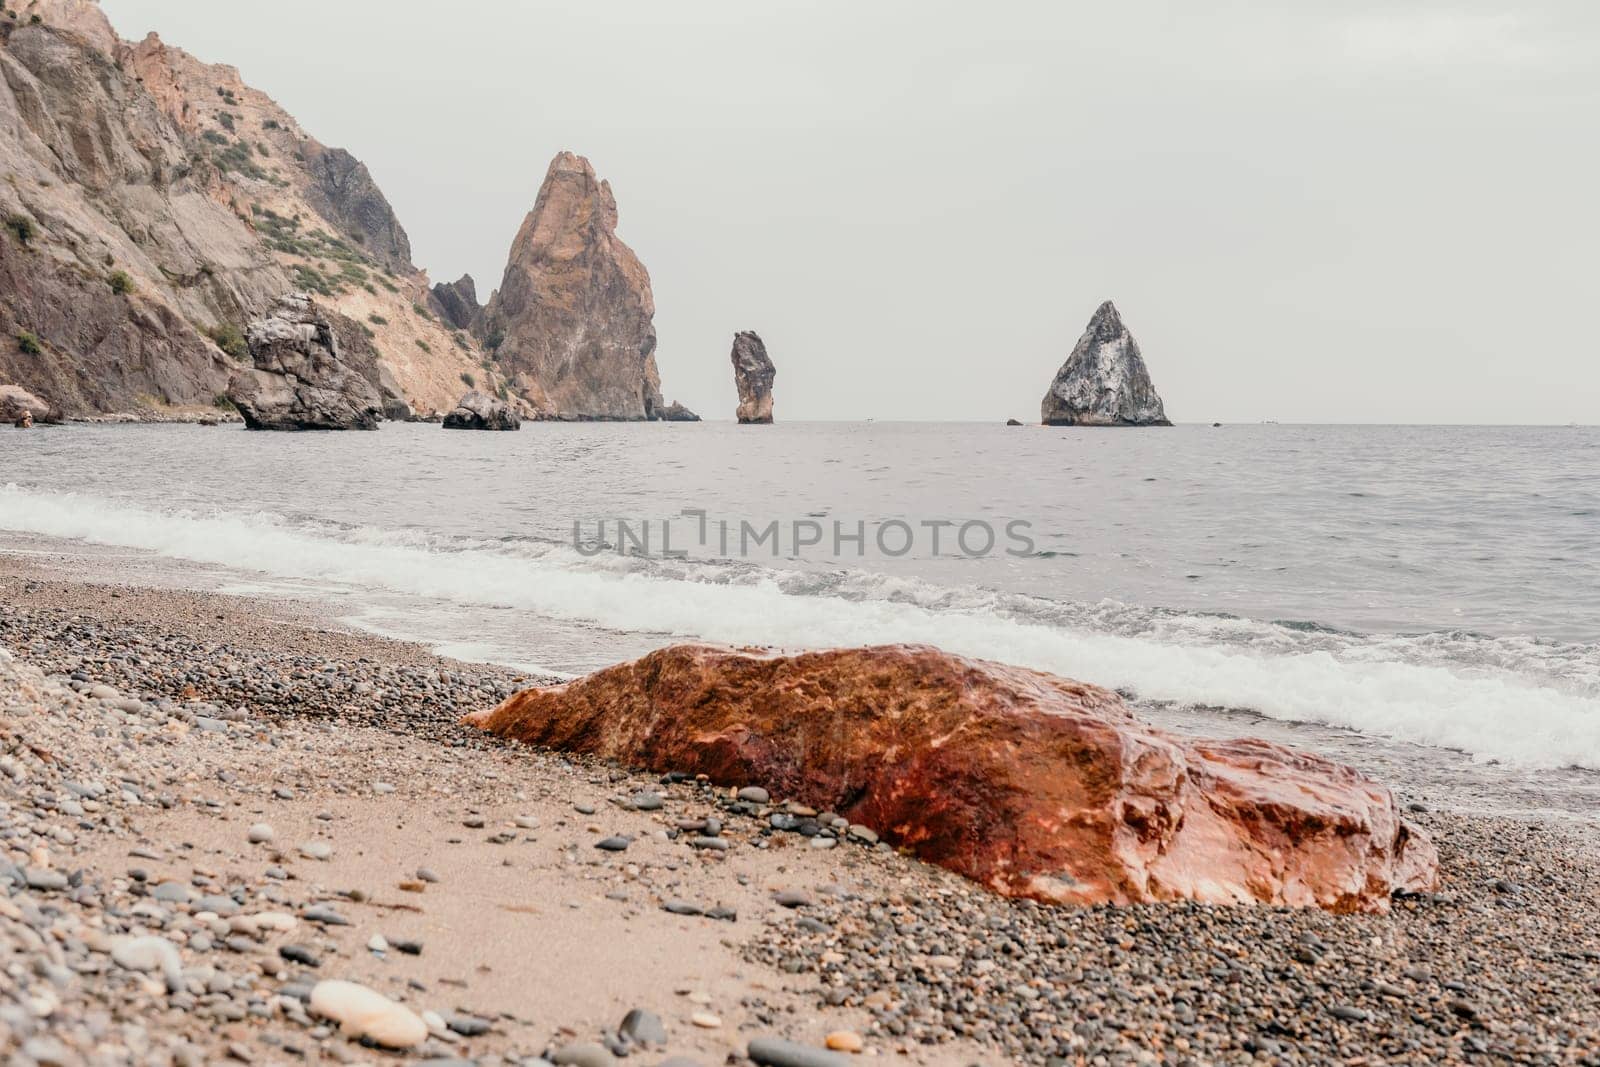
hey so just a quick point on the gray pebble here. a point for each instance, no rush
(643, 1027)
(777, 1052)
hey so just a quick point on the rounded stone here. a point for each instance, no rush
(365, 1013)
(844, 1041)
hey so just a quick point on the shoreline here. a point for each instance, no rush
(255, 711)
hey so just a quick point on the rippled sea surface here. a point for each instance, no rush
(1436, 587)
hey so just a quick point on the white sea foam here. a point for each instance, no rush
(1494, 706)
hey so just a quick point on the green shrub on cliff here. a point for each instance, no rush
(29, 342)
(312, 279)
(21, 227)
(468, 380)
(228, 338)
(121, 282)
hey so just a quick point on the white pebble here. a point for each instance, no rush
(363, 1012)
(147, 954)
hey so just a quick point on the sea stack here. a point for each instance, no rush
(571, 323)
(753, 373)
(1104, 382)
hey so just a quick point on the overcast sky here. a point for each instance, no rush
(1320, 211)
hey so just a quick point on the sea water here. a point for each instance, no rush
(1419, 593)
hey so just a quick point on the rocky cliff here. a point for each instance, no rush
(753, 374)
(457, 302)
(1104, 382)
(155, 205)
(571, 324)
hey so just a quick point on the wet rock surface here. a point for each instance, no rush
(1055, 790)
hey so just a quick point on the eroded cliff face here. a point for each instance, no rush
(1104, 381)
(457, 302)
(115, 254)
(571, 324)
(155, 205)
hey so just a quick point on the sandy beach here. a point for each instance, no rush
(153, 733)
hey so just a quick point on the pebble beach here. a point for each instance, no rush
(235, 831)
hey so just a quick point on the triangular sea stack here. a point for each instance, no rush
(1104, 382)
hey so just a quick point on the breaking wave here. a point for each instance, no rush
(1519, 700)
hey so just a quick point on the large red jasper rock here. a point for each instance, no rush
(1033, 785)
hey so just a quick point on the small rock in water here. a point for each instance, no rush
(365, 1013)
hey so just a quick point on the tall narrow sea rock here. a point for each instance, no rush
(753, 373)
(571, 322)
(1104, 382)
